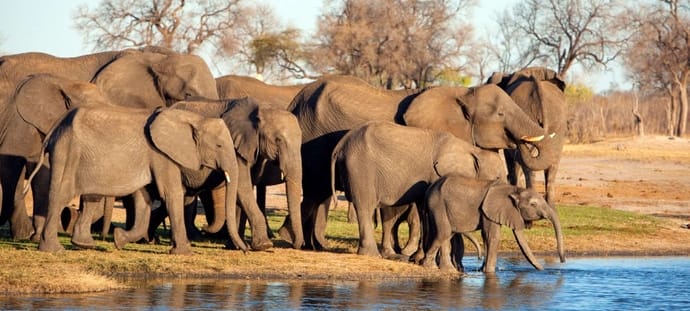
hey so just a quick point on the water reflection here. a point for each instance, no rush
(581, 284)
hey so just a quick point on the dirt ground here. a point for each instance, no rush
(649, 175)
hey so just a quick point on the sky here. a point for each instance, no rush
(47, 26)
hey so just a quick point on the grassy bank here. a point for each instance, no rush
(588, 231)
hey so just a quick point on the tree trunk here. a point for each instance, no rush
(638, 122)
(683, 106)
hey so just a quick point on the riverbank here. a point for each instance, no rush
(625, 197)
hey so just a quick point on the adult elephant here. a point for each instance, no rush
(13, 70)
(539, 92)
(275, 96)
(117, 151)
(329, 107)
(149, 77)
(263, 137)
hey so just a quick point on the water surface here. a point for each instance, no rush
(612, 283)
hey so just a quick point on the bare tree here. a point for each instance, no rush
(392, 42)
(561, 33)
(659, 57)
(181, 25)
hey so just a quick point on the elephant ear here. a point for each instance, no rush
(174, 133)
(500, 206)
(538, 74)
(243, 120)
(441, 109)
(499, 79)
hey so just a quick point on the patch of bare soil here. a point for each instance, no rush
(650, 175)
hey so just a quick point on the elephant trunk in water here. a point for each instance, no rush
(293, 188)
(552, 216)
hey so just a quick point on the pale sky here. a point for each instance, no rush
(47, 26)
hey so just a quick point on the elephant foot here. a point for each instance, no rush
(284, 234)
(428, 263)
(51, 247)
(261, 245)
(449, 268)
(23, 231)
(181, 250)
(388, 253)
(83, 242)
(369, 252)
(35, 237)
(119, 237)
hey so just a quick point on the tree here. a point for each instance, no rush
(181, 25)
(392, 42)
(561, 33)
(659, 57)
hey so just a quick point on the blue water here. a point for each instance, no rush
(611, 283)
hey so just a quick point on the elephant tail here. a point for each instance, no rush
(50, 139)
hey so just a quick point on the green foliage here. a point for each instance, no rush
(273, 47)
(577, 92)
(452, 77)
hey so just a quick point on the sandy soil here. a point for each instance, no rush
(649, 175)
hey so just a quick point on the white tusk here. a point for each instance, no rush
(227, 176)
(282, 176)
(552, 135)
(532, 139)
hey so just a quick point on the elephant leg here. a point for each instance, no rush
(491, 233)
(142, 214)
(40, 187)
(190, 206)
(81, 235)
(320, 221)
(365, 214)
(261, 201)
(550, 184)
(511, 165)
(445, 262)
(108, 206)
(13, 206)
(415, 230)
(456, 251)
(389, 220)
(158, 216)
(529, 176)
(257, 220)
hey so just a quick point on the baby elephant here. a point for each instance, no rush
(456, 204)
(382, 164)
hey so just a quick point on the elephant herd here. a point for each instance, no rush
(150, 124)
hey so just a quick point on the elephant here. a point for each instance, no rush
(275, 96)
(149, 77)
(329, 107)
(117, 151)
(539, 92)
(457, 204)
(383, 164)
(263, 136)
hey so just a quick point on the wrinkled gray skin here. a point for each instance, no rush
(332, 105)
(270, 96)
(118, 151)
(540, 93)
(263, 136)
(383, 164)
(149, 77)
(457, 204)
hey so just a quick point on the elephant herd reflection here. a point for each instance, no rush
(148, 125)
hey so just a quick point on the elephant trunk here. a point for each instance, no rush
(554, 219)
(542, 154)
(523, 128)
(524, 247)
(293, 188)
(231, 208)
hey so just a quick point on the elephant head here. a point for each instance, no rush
(147, 79)
(485, 116)
(193, 142)
(539, 92)
(517, 208)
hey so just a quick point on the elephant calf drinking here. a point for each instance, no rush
(456, 204)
